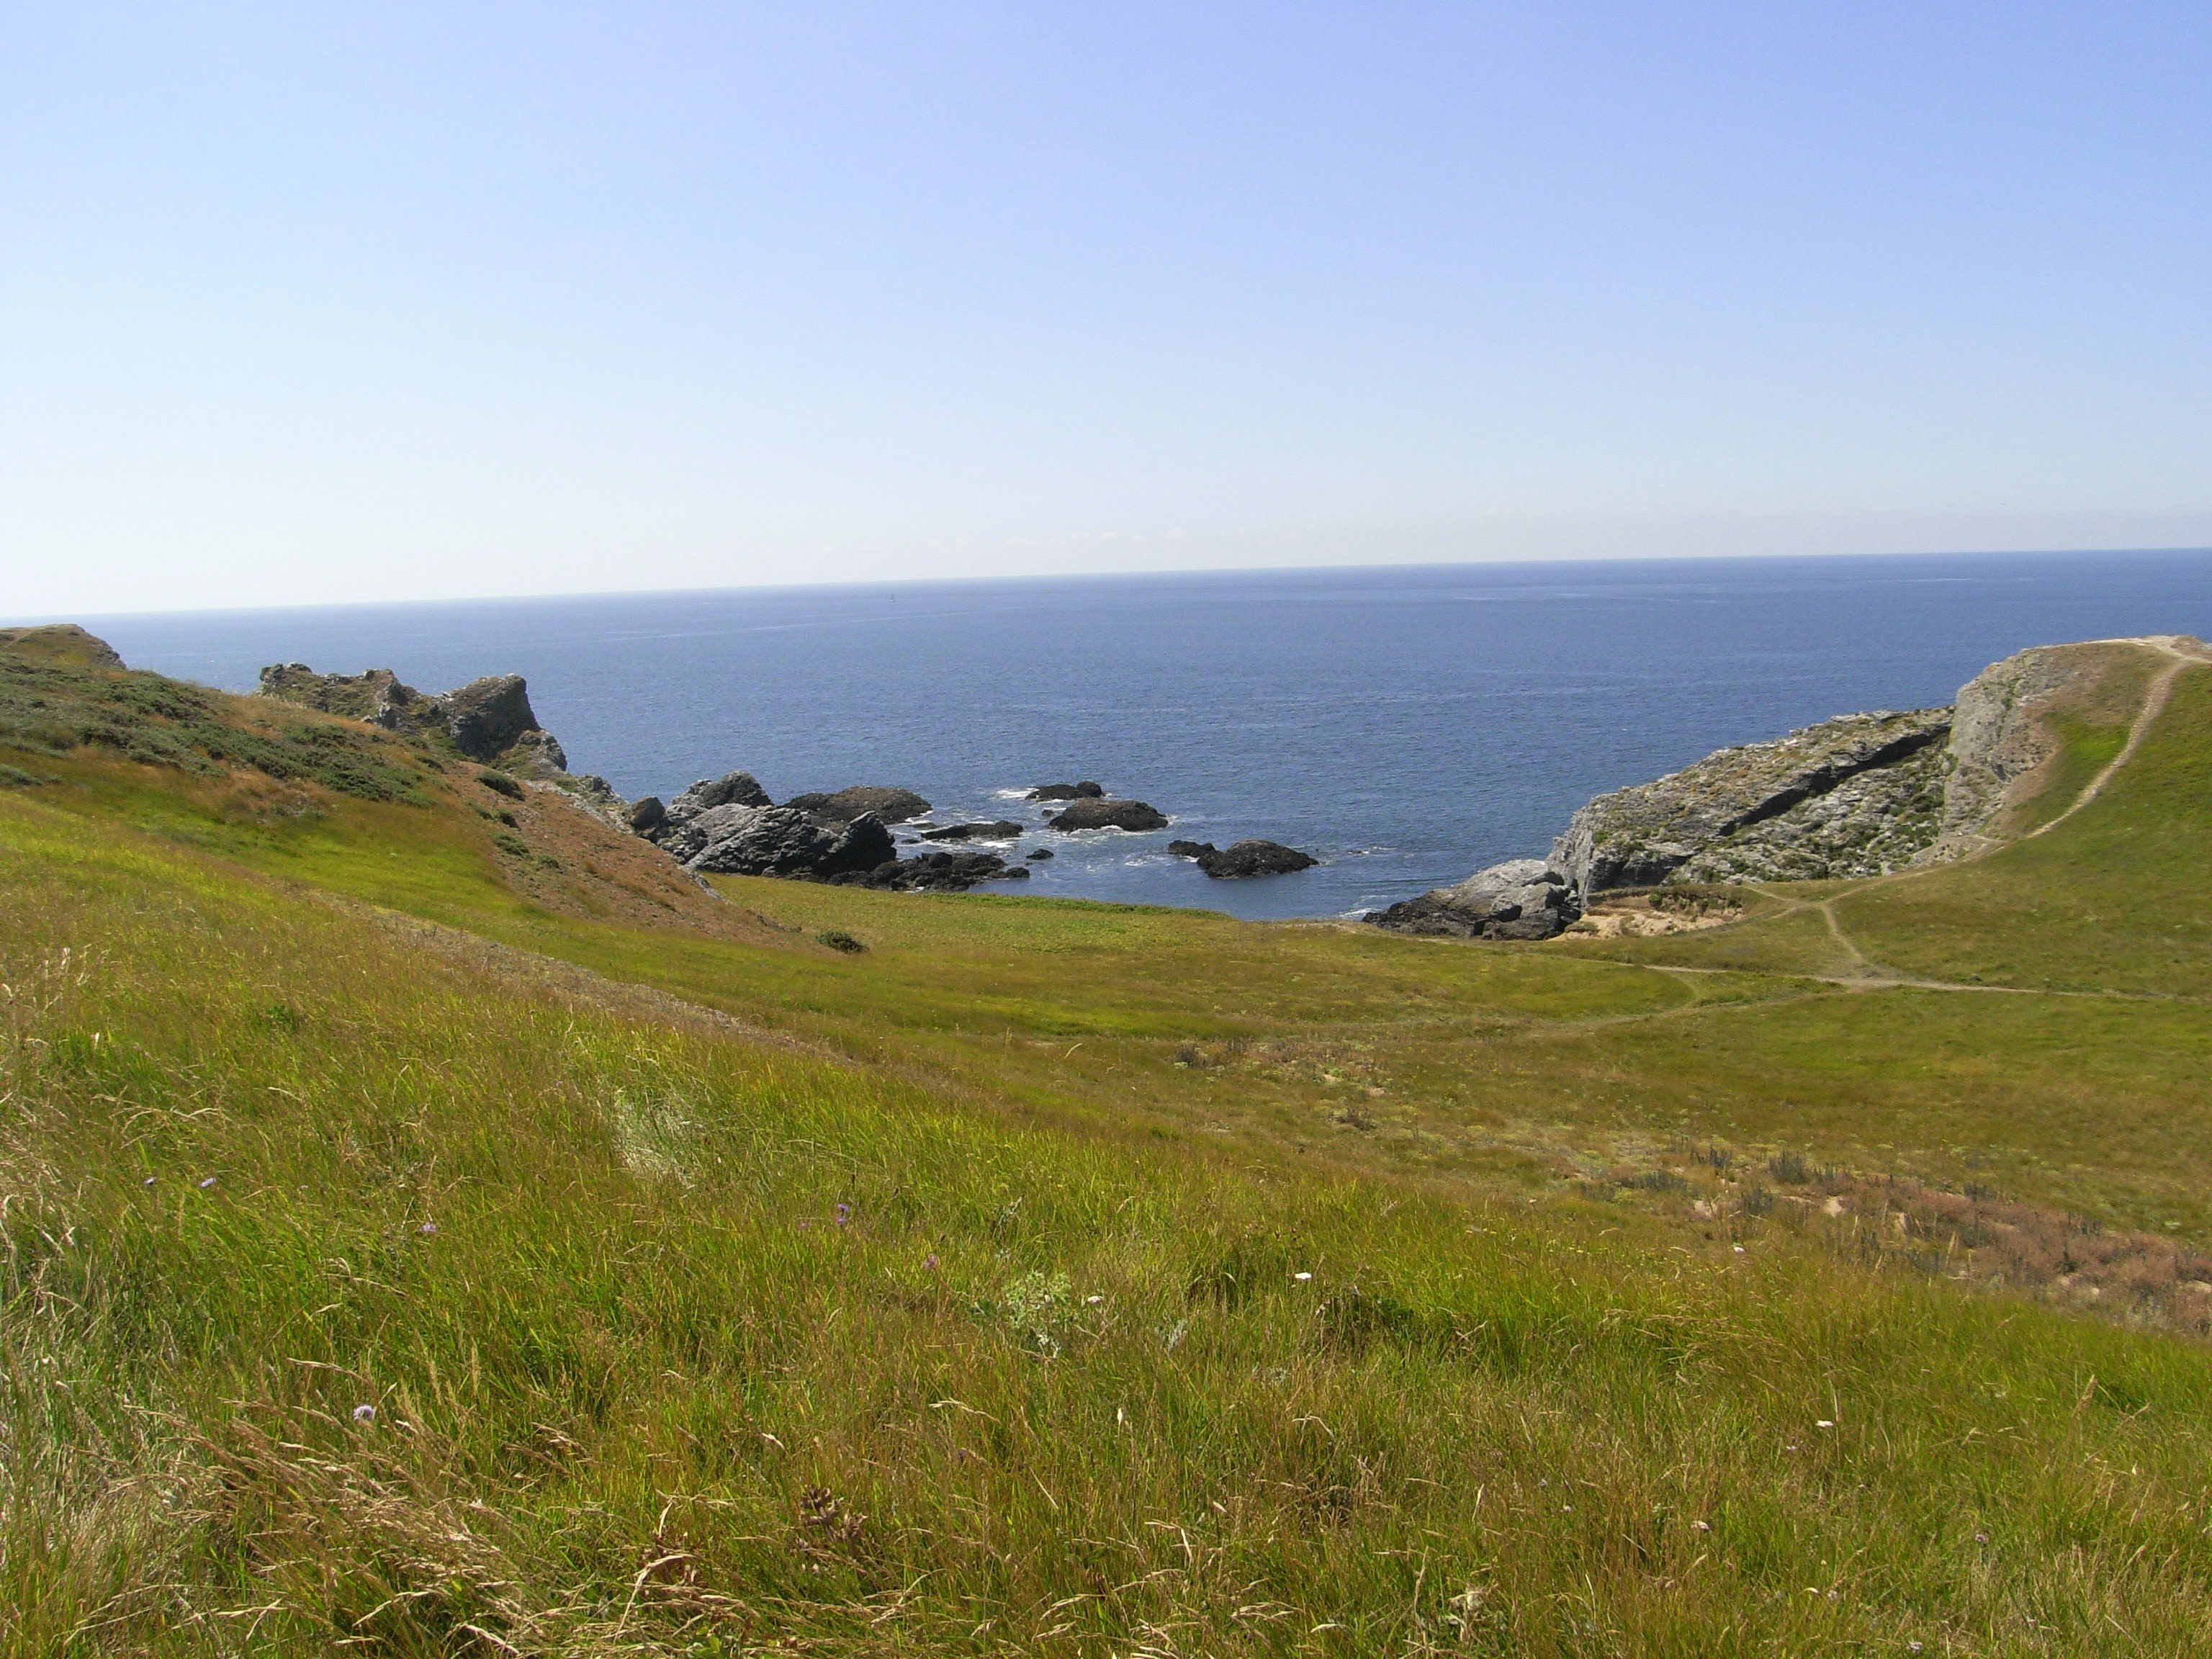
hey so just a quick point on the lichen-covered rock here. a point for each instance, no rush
(488, 719)
(377, 697)
(1519, 899)
(1644, 834)
(1879, 820)
(730, 789)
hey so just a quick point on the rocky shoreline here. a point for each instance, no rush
(729, 825)
(1860, 795)
(1856, 796)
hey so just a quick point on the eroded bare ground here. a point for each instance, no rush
(1658, 911)
(1974, 1238)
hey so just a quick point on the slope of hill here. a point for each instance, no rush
(415, 1244)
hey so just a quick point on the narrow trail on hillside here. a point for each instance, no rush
(2154, 704)
(1864, 973)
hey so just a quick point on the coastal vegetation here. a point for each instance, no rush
(435, 1225)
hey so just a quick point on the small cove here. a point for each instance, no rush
(1406, 725)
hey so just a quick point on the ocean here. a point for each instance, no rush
(1404, 726)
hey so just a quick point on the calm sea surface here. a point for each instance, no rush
(1405, 726)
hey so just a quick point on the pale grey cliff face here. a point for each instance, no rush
(1997, 739)
(1858, 796)
(1852, 796)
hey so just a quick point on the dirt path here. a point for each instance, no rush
(1862, 972)
(2154, 705)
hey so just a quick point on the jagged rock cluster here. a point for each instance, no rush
(488, 719)
(1522, 898)
(1858, 796)
(729, 826)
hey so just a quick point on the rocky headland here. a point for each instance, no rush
(1858, 796)
(729, 825)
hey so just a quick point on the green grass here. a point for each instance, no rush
(948, 1297)
(2117, 898)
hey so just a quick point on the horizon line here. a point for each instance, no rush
(1563, 562)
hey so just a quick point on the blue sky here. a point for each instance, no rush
(304, 304)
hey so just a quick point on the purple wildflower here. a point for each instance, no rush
(208, 1182)
(364, 1413)
(428, 1229)
(930, 1264)
(844, 1213)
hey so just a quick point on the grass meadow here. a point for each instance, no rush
(396, 1262)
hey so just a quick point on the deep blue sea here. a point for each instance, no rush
(1405, 726)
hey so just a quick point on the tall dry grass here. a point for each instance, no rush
(357, 1300)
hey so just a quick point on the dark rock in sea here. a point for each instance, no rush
(1191, 849)
(1003, 830)
(647, 815)
(1252, 858)
(891, 805)
(1083, 791)
(732, 840)
(934, 872)
(1522, 898)
(1095, 812)
(1041, 854)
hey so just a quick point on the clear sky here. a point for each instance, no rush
(304, 303)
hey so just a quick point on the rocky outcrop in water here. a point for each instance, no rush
(1243, 859)
(1520, 899)
(891, 805)
(999, 830)
(1096, 813)
(1083, 791)
(1743, 813)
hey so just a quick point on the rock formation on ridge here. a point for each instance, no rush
(488, 721)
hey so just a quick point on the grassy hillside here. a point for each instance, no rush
(416, 1245)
